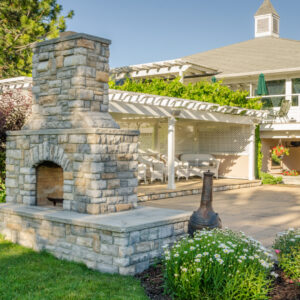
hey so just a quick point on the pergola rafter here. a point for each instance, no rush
(176, 67)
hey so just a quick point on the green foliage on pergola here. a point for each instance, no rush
(202, 91)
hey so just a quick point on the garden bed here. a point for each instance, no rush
(153, 282)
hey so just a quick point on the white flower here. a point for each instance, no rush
(190, 241)
(176, 275)
(167, 258)
(197, 260)
(199, 255)
(176, 255)
(185, 252)
(291, 229)
(217, 256)
(256, 256)
(220, 260)
(245, 250)
(192, 248)
(198, 270)
(243, 257)
(184, 269)
(274, 274)
(292, 240)
(239, 260)
(226, 251)
(251, 257)
(210, 259)
(205, 253)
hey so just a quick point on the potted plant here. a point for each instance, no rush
(278, 152)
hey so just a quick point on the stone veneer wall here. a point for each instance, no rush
(123, 251)
(98, 167)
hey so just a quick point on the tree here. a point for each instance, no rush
(22, 23)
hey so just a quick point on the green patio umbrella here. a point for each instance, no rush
(261, 87)
(214, 79)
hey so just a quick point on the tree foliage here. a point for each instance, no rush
(202, 91)
(22, 23)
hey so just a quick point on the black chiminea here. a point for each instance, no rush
(205, 217)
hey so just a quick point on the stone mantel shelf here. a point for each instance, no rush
(126, 221)
(74, 131)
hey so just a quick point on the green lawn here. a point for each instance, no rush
(25, 274)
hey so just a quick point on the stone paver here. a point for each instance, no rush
(260, 212)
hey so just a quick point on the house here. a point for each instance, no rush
(239, 66)
(177, 126)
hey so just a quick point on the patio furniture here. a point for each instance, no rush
(200, 163)
(142, 172)
(181, 168)
(283, 111)
(155, 168)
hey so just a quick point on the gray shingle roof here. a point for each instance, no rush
(265, 53)
(266, 8)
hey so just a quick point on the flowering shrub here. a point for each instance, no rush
(287, 248)
(290, 173)
(15, 107)
(218, 264)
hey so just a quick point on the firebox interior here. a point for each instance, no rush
(49, 184)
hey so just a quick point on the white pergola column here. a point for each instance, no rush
(251, 154)
(288, 89)
(171, 153)
(181, 75)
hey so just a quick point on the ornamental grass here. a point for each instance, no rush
(218, 264)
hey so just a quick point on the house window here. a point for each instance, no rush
(296, 90)
(275, 87)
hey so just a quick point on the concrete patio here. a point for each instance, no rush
(260, 212)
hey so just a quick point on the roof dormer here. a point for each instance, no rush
(266, 20)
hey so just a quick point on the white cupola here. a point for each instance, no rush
(266, 20)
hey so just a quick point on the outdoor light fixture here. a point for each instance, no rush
(205, 217)
(176, 112)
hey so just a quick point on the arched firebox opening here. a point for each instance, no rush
(49, 184)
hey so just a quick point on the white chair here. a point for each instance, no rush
(155, 168)
(142, 172)
(181, 168)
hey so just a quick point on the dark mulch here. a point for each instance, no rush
(153, 282)
(284, 289)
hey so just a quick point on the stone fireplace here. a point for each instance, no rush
(71, 150)
(71, 153)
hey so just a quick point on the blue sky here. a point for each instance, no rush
(151, 30)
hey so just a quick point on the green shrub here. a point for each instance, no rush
(287, 247)
(270, 179)
(217, 264)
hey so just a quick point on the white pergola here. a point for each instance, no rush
(163, 69)
(138, 105)
(15, 83)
